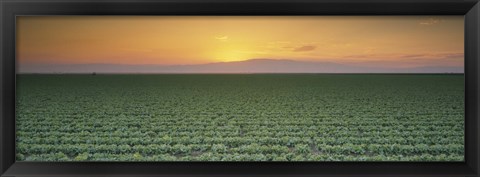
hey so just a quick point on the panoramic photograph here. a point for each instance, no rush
(240, 88)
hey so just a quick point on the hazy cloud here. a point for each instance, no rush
(434, 55)
(221, 38)
(451, 55)
(430, 21)
(304, 48)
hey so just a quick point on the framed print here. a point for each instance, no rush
(236, 88)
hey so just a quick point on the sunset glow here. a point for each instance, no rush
(377, 41)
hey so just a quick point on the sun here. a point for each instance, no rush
(230, 56)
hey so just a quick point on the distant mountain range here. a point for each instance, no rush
(247, 66)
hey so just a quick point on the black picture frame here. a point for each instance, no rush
(11, 8)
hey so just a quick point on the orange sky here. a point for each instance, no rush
(396, 41)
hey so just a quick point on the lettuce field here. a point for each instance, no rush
(240, 117)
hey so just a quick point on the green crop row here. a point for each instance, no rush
(252, 117)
